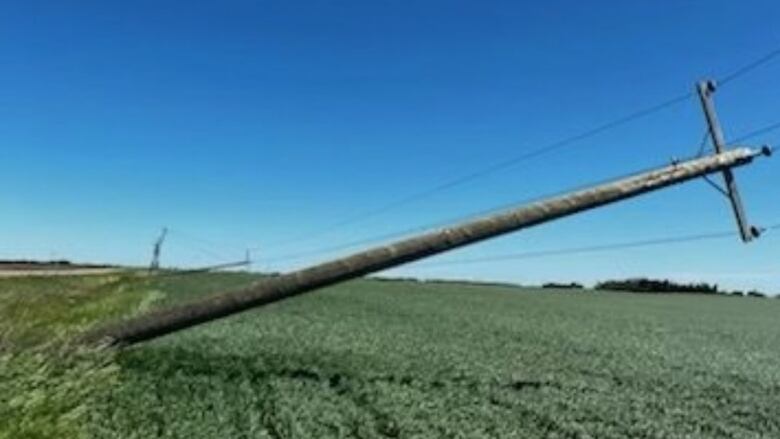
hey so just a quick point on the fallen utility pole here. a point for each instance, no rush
(273, 289)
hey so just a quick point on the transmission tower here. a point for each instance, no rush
(155, 265)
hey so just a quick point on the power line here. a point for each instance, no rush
(750, 67)
(556, 145)
(442, 223)
(206, 247)
(377, 238)
(205, 269)
(458, 181)
(206, 251)
(591, 249)
(205, 241)
(767, 129)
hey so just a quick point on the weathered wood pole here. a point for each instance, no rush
(165, 321)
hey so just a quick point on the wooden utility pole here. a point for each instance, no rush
(164, 321)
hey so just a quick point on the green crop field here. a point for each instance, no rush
(400, 359)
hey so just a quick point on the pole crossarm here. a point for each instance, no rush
(705, 90)
(164, 321)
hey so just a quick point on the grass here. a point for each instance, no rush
(405, 359)
(45, 381)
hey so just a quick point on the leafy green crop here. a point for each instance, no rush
(406, 359)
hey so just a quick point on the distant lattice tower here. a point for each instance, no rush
(155, 264)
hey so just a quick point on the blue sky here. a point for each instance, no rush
(247, 123)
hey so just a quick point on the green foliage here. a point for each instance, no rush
(409, 359)
(391, 359)
(35, 309)
(45, 393)
(46, 383)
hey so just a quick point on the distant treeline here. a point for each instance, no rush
(562, 286)
(28, 263)
(635, 285)
(31, 262)
(644, 285)
(751, 293)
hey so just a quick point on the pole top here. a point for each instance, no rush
(707, 86)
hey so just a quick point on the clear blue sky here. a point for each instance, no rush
(245, 123)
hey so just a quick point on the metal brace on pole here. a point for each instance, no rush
(706, 89)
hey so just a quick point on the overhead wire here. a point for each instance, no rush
(458, 181)
(589, 249)
(203, 246)
(538, 152)
(204, 241)
(742, 71)
(442, 223)
(755, 133)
